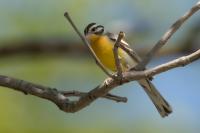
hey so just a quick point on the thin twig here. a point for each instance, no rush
(167, 36)
(87, 45)
(116, 54)
(179, 62)
(107, 96)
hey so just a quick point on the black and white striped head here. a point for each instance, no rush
(93, 28)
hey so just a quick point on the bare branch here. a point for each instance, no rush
(167, 36)
(60, 97)
(116, 55)
(87, 45)
(107, 96)
(180, 62)
(110, 84)
(48, 93)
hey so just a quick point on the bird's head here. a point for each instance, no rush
(93, 28)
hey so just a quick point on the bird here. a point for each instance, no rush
(102, 43)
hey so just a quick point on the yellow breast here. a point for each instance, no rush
(103, 48)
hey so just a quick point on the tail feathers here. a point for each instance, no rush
(160, 103)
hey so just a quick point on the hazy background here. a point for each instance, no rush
(38, 44)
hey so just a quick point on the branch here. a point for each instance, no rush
(48, 93)
(180, 62)
(167, 36)
(116, 55)
(110, 84)
(60, 98)
(107, 96)
(98, 62)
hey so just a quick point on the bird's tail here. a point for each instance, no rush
(160, 103)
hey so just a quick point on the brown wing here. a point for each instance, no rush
(113, 37)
